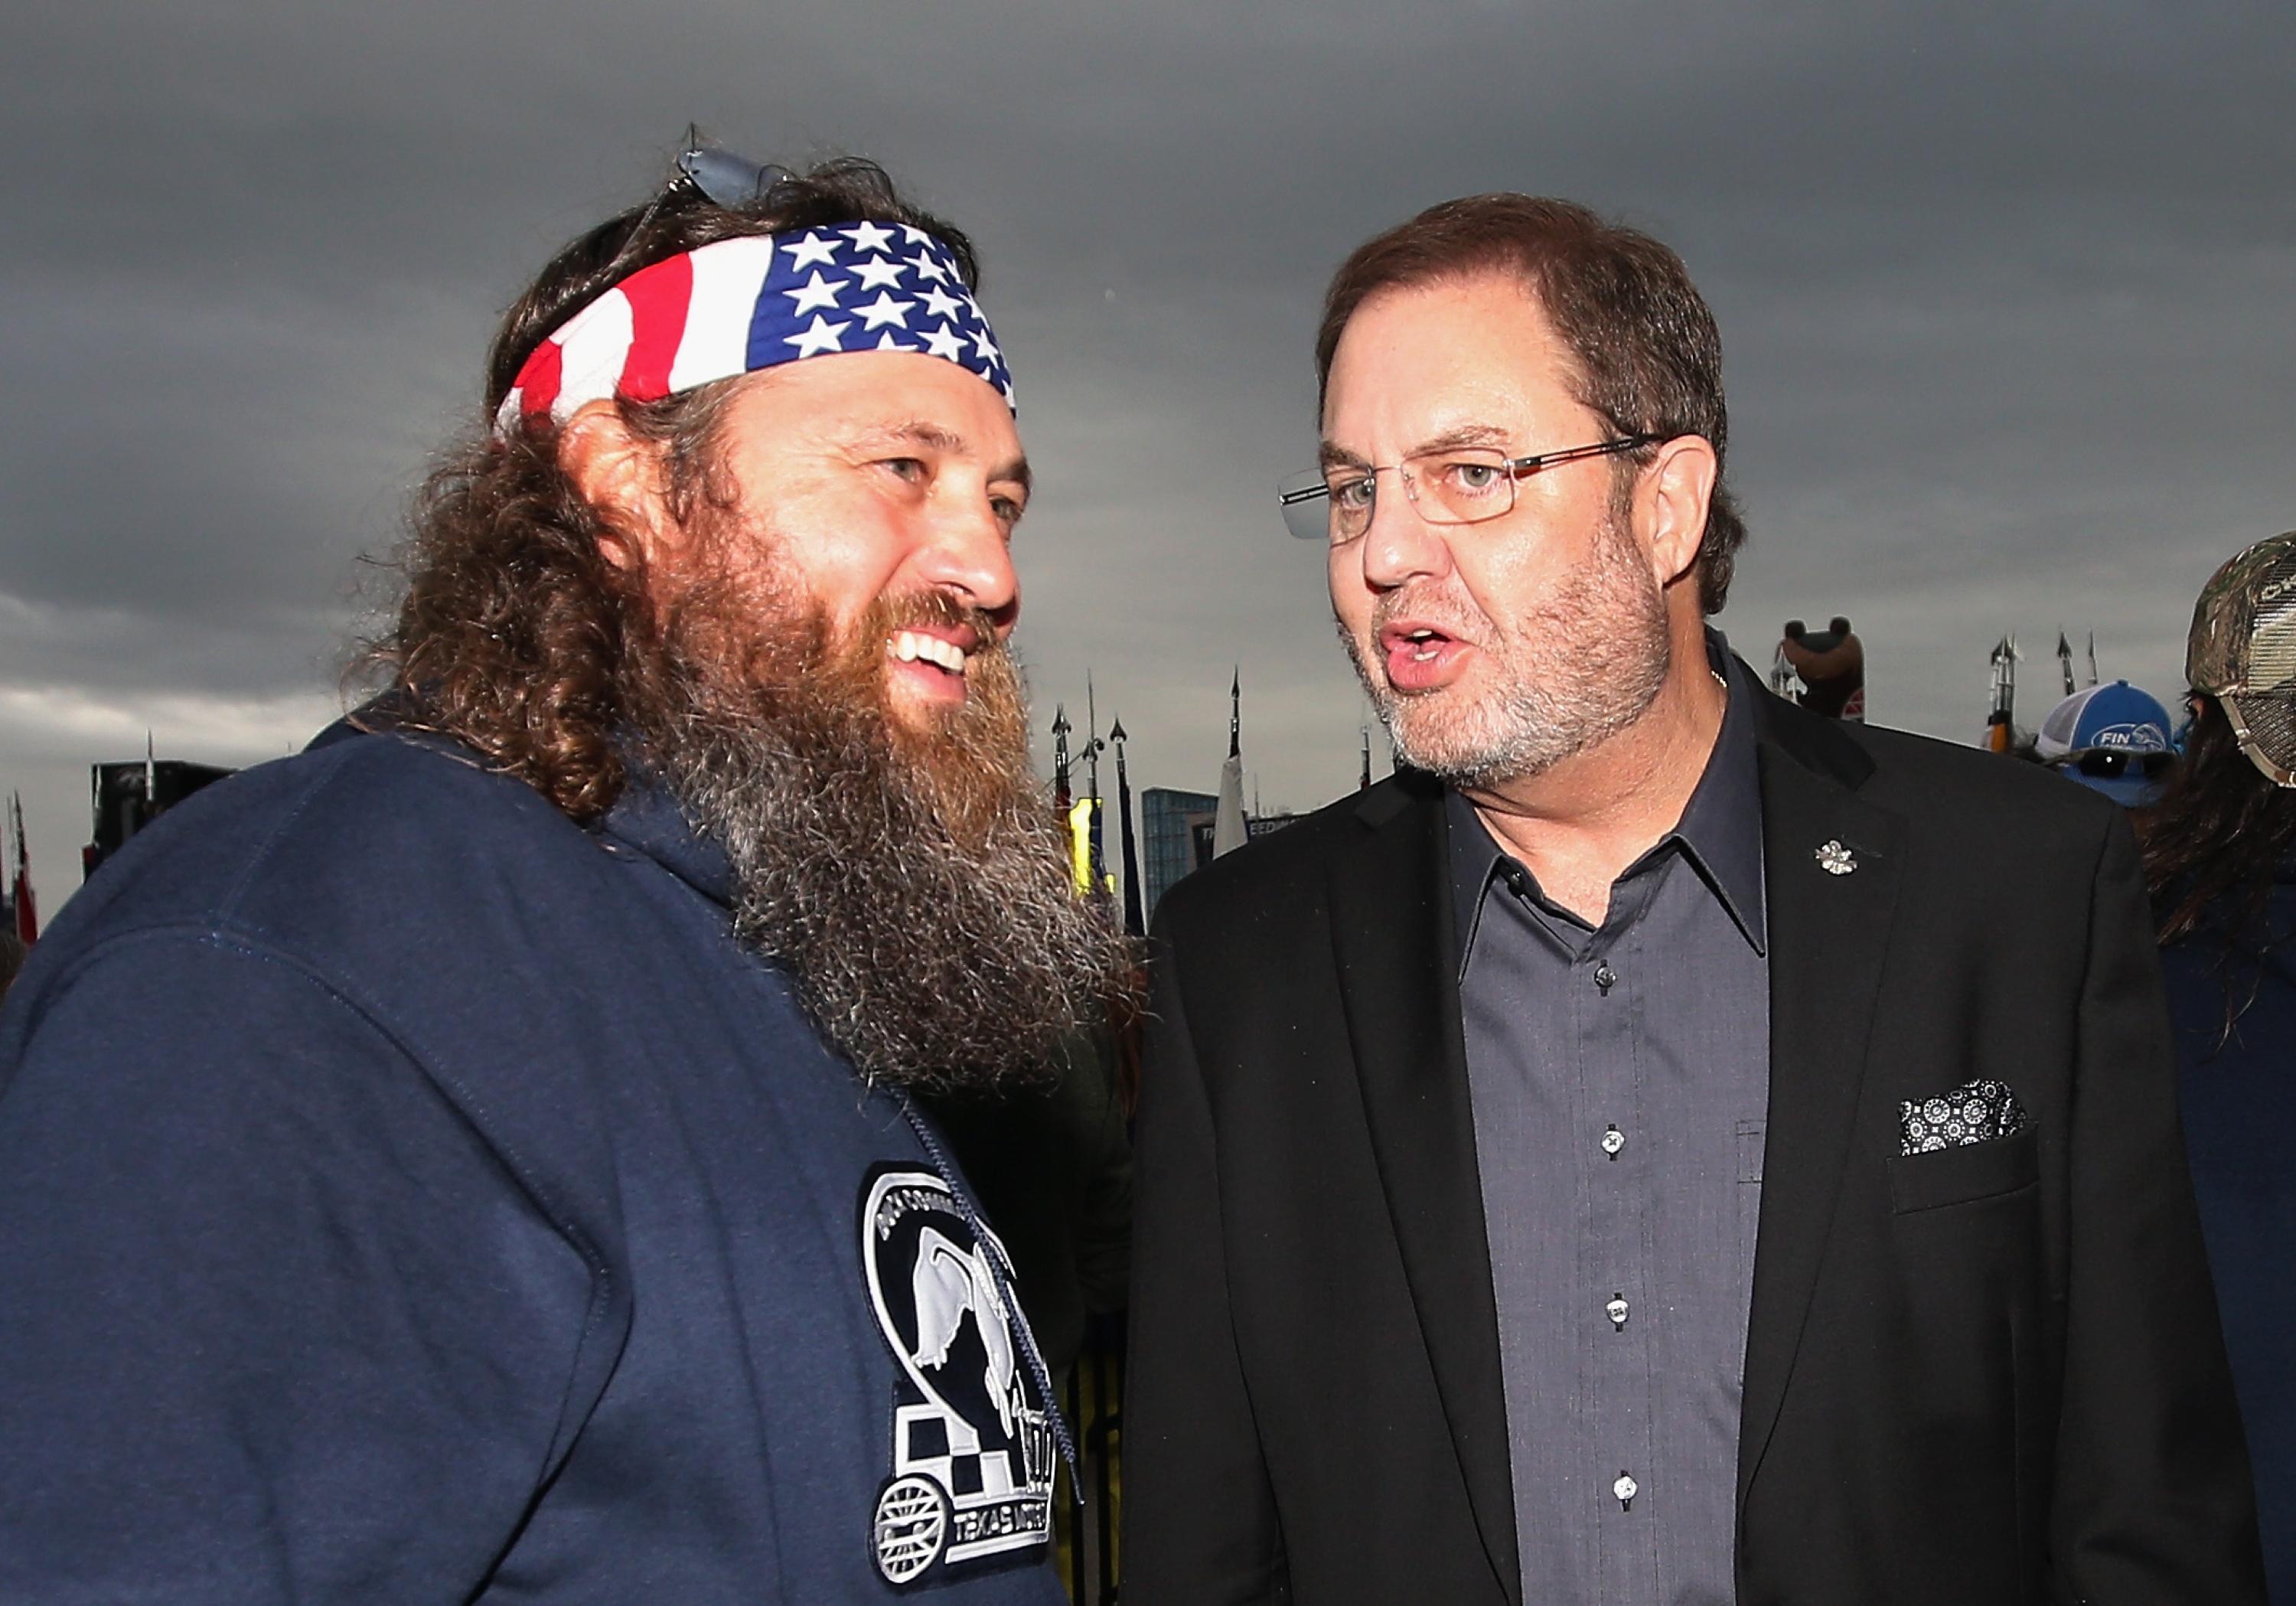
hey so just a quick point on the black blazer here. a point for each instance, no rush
(1989, 1374)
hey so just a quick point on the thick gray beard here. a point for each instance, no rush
(938, 948)
(1575, 671)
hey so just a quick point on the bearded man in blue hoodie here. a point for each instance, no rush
(473, 1159)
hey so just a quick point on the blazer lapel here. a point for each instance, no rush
(1833, 867)
(1397, 958)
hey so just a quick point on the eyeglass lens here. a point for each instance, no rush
(1460, 487)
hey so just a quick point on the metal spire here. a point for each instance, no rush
(1096, 862)
(1229, 829)
(2001, 723)
(2065, 659)
(1134, 921)
(1092, 742)
(1060, 729)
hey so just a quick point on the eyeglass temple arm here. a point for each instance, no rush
(1601, 448)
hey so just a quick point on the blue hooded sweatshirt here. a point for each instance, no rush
(408, 1196)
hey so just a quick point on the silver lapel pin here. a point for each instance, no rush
(1834, 859)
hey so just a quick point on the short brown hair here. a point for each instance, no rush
(1649, 355)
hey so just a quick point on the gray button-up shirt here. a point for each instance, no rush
(1620, 1085)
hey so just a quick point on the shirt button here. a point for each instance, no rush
(1605, 978)
(1613, 1141)
(1625, 1489)
(1617, 1312)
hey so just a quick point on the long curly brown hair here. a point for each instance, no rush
(515, 633)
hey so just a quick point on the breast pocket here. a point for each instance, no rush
(1963, 1174)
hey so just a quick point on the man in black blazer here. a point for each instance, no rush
(1661, 1145)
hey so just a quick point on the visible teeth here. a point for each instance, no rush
(909, 645)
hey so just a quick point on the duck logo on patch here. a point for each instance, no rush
(972, 1446)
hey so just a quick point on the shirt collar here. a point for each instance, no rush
(1720, 831)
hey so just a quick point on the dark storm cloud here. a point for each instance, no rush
(2005, 292)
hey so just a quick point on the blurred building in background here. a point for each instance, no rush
(130, 795)
(1176, 829)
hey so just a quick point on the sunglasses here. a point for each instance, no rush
(727, 179)
(2115, 763)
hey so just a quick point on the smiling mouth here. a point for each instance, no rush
(914, 646)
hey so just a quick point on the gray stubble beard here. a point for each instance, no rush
(1579, 667)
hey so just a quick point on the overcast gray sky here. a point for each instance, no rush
(2006, 290)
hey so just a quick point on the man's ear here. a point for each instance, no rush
(619, 475)
(1671, 501)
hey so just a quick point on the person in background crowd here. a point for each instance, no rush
(2220, 861)
(1832, 666)
(2112, 739)
(476, 1159)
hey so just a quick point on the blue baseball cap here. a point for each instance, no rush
(2112, 739)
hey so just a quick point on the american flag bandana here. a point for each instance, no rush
(756, 302)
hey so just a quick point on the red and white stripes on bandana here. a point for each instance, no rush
(756, 302)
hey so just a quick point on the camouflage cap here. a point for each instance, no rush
(2243, 651)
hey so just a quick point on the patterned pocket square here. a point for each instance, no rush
(1976, 1112)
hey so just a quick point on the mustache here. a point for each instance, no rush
(987, 651)
(906, 610)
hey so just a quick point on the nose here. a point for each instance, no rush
(1400, 546)
(970, 554)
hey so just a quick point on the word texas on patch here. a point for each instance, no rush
(973, 1446)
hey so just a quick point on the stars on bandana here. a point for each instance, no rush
(885, 311)
(842, 284)
(943, 342)
(813, 248)
(876, 273)
(751, 302)
(815, 293)
(822, 336)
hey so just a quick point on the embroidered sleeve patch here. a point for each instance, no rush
(972, 1455)
(1976, 1112)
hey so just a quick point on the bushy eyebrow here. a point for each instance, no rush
(1335, 456)
(1466, 434)
(940, 438)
